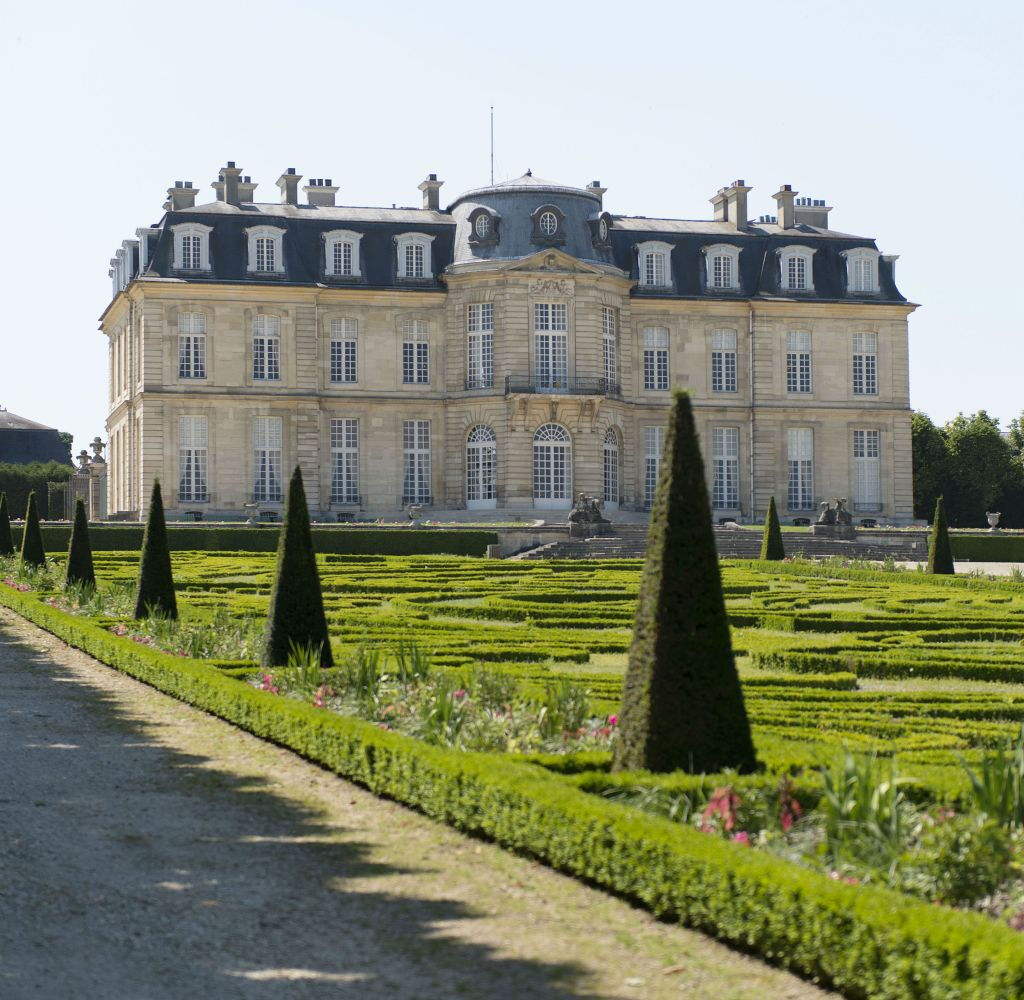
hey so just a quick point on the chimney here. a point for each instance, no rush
(785, 208)
(812, 212)
(181, 196)
(431, 189)
(288, 182)
(245, 190)
(736, 204)
(594, 187)
(721, 206)
(319, 192)
(226, 184)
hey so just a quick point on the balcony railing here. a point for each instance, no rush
(479, 383)
(572, 385)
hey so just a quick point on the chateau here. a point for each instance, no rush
(506, 352)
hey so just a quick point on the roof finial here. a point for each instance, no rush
(529, 172)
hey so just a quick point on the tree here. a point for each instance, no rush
(931, 463)
(771, 541)
(156, 582)
(981, 468)
(296, 616)
(68, 438)
(79, 569)
(32, 551)
(940, 555)
(6, 538)
(682, 706)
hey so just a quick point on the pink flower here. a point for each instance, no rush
(613, 720)
(742, 837)
(1016, 922)
(459, 695)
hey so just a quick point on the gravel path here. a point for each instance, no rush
(149, 851)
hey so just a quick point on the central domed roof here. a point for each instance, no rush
(529, 184)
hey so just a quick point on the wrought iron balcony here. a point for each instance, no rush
(571, 385)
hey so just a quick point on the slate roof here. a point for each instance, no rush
(12, 422)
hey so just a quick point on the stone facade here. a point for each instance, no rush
(592, 286)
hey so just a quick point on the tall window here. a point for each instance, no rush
(415, 352)
(655, 358)
(796, 273)
(191, 345)
(654, 444)
(722, 266)
(343, 350)
(266, 348)
(552, 466)
(413, 260)
(414, 255)
(481, 467)
(654, 264)
(265, 256)
(723, 361)
(609, 348)
(798, 361)
(480, 344)
(725, 461)
(867, 475)
(341, 253)
(191, 246)
(416, 445)
(865, 364)
(344, 460)
(861, 270)
(800, 442)
(795, 268)
(341, 258)
(611, 467)
(266, 447)
(192, 452)
(191, 252)
(551, 344)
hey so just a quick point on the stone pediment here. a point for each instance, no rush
(551, 260)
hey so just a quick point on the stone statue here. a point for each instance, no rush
(827, 515)
(586, 518)
(843, 516)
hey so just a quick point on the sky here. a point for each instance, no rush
(906, 117)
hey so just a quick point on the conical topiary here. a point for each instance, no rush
(6, 538)
(296, 616)
(940, 555)
(682, 706)
(79, 551)
(32, 552)
(771, 540)
(156, 584)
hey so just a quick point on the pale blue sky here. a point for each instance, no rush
(906, 117)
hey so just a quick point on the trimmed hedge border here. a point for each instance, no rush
(864, 941)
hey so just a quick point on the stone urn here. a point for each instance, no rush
(993, 519)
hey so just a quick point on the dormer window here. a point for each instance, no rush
(600, 231)
(192, 247)
(414, 256)
(341, 254)
(723, 267)
(548, 225)
(266, 255)
(654, 261)
(483, 227)
(861, 271)
(796, 271)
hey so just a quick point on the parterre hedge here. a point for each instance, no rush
(988, 548)
(864, 941)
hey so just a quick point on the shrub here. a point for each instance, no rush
(940, 556)
(959, 859)
(156, 582)
(682, 706)
(17, 481)
(296, 616)
(32, 551)
(6, 541)
(771, 542)
(79, 569)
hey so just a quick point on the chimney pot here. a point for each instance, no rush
(288, 182)
(290, 170)
(226, 184)
(736, 204)
(320, 193)
(431, 189)
(785, 198)
(181, 196)
(231, 163)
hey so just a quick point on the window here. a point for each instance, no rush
(415, 352)
(266, 348)
(191, 247)
(653, 261)
(480, 346)
(801, 468)
(416, 444)
(191, 345)
(654, 444)
(266, 446)
(482, 227)
(655, 358)
(341, 253)
(343, 350)
(551, 344)
(265, 250)
(867, 478)
(865, 364)
(344, 460)
(725, 461)
(602, 230)
(861, 271)
(796, 273)
(611, 467)
(481, 467)
(609, 349)
(414, 256)
(552, 466)
(723, 361)
(798, 361)
(548, 223)
(192, 452)
(723, 268)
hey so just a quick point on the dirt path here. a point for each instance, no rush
(150, 851)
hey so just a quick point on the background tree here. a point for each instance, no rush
(682, 707)
(940, 555)
(981, 467)
(156, 582)
(771, 541)
(80, 569)
(931, 464)
(68, 438)
(6, 538)
(32, 551)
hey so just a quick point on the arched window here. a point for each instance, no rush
(611, 469)
(552, 467)
(481, 468)
(266, 254)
